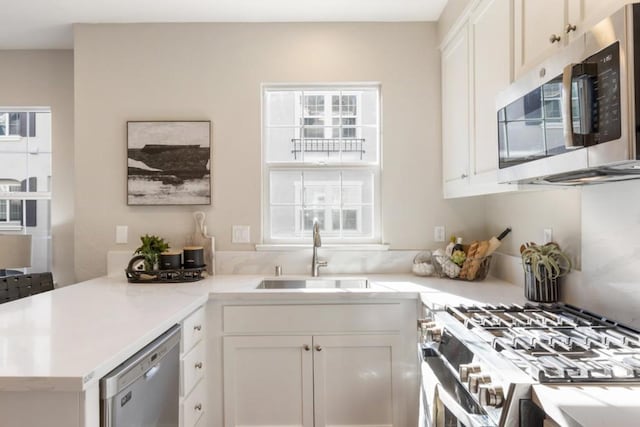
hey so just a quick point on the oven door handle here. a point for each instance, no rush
(443, 399)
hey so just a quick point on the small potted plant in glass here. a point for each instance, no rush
(543, 266)
(151, 248)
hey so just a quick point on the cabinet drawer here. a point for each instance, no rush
(193, 406)
(192, 368)
(311, 318)
(192, 330)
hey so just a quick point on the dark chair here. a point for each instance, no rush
(24, 285)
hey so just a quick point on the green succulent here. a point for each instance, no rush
(553, 261)
(151, 248)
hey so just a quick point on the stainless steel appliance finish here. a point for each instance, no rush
(573, 119)
(315, 283)
(558, 342)
(479, 362)
(144, 390)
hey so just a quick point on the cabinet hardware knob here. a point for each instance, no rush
(318, 348)
(569, 28)
(554, 38)
(198, 365)
(463, 176)
(198, 407)
(306, 347)
(197, 327)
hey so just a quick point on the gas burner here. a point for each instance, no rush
(556, 342)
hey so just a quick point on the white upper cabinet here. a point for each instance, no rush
(492, 59)
(542, 27)
(455, 111)
(476, 66)
(539, 27)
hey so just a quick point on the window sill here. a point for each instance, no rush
(10, 138)
(266, 247)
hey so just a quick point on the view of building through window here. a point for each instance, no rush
(321, 162)
(25, 180)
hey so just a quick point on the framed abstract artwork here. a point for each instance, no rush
(169, 163)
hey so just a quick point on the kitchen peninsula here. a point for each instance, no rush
(57, 345)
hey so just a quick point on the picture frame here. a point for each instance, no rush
(169, 163)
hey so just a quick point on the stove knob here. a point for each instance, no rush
(475, 380)
(491, 395)
(467, 368)
(433, 334)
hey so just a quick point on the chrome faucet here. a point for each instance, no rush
(317, 242)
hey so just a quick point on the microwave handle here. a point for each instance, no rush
(444, 399)
(567, 116)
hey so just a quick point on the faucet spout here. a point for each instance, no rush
(317, 242)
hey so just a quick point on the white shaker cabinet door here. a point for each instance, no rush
(268, 381)
(455, 112)
(539, 27)
(356, 382)
(491, 43)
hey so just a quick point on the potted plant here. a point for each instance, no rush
(151, 248)
(543, 265)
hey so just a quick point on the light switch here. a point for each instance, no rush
(241, 234)
(122, 234)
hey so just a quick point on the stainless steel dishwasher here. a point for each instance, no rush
(144, 390)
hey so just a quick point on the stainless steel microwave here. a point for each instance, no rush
(575, 119)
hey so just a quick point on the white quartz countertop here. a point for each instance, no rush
(71, 337)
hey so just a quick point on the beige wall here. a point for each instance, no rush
(530, 212)
(214, 71)
(44, 78)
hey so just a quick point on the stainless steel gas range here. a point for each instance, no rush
(479, 362)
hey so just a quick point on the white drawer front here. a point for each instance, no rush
(192, 330)
(382, 317)
(192, 368)
(192, 407)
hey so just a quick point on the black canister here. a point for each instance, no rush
(193, 256)
(170, 260)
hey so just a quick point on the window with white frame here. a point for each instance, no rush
(25, 179)
(321, 156)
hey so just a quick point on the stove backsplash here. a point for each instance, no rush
(610, 252)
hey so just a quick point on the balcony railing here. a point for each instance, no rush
(327, 145)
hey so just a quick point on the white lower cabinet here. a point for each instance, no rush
(329, 367)
(333, 380)
(268, 381)
(193, 399)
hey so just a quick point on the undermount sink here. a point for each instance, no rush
(314, 283)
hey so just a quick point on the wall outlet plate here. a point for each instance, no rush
(122, 234)
(438, 233)
(241, 234)
(547, 236)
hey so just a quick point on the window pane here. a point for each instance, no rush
(282, 107)
(285, 187)
(39, 131)
(39, 226)
(284, 221)
(357, 187)
(4, 215)
(349, 105)
(314, 105)
(4, 119)
(14, 123)
(15, 210)
(283, 145)
(310, 216)
(369, 108)
(321, 188)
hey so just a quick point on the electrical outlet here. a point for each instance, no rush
(548, 236)
(241, 234)
(438, 233)
(122, 234)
